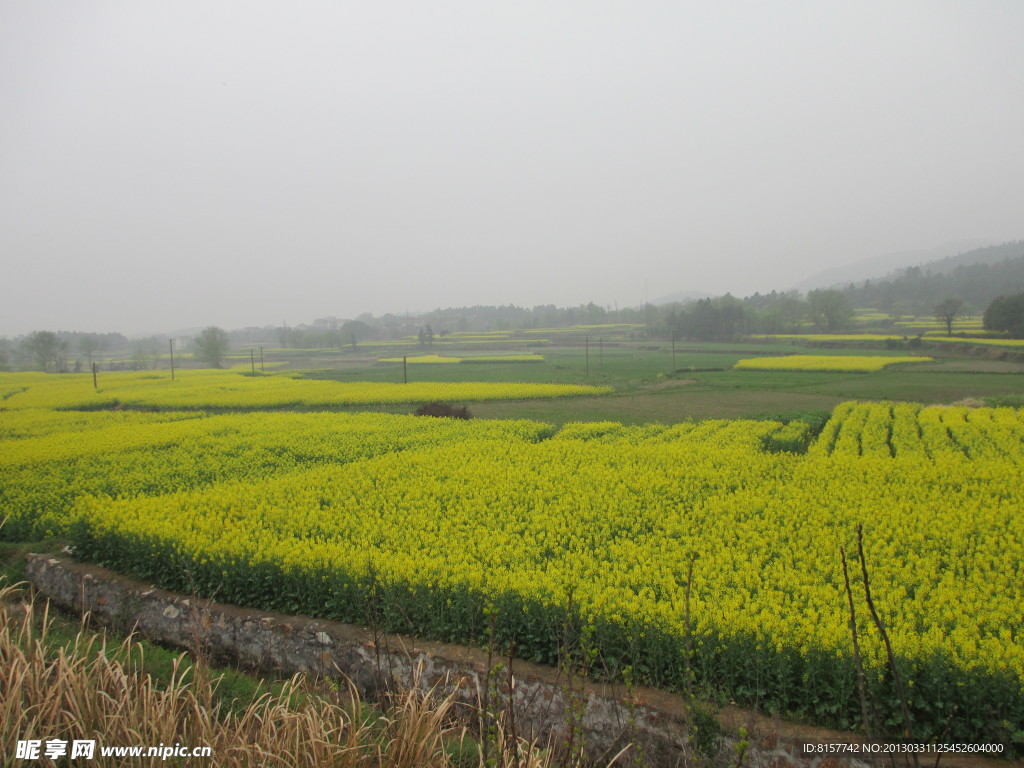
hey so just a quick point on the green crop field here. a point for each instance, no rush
(650, 383)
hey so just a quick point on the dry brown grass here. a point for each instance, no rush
(88, 690)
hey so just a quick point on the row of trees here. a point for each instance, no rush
(347, 333)
(721, 318)
(829, 310)
(724, 318)
(62, 351)
(1004, 315)
(45, 351)
(57, 351)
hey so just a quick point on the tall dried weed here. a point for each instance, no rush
(87, 689)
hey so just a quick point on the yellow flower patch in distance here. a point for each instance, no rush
(228, 389)
(842, 363)
(474, 359)
(503, 359)
(829, 336)
(929, 336)
(419, 359)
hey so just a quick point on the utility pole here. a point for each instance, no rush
(647, 314)
(95, 385)
(261, 358)
(405, 370)
(252, 359)
(171, 342)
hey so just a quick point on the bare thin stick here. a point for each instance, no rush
(861, 682)
(907, 731)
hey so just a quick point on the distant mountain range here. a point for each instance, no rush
(878, 267)
(988, 256)
(942, 260)
(976, 278)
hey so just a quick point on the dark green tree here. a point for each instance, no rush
(355, 330)
(46, 350)
(1006, 314)
(210, 346)
(830, 309)
(782, 313)
(720, 319)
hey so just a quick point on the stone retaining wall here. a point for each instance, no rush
(545, 702)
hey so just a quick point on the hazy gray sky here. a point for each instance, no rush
(174, 164)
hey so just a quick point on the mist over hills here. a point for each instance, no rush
(992, 254)
(888, 264)
(976, 277)
(972, 270)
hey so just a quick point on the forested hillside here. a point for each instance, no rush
(976, 277)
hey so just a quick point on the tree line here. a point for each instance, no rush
(77, 351)
(58, 351)
(947, 289)
(724, 318)
(917, 290)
